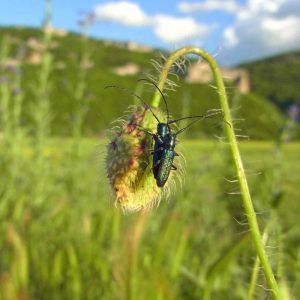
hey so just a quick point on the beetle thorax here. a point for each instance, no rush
(162, 129)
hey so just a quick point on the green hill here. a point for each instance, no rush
(103, 106)
(277, 78)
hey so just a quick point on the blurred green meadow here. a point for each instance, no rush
(66, 240)
(62, 236)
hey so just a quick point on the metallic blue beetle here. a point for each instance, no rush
(165, 142)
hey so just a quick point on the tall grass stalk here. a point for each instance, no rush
(5, 121)
(11, 99)
(247, 201)
(11, 204)
(18, 133)
(42, 109)
(80, 88)
(5, 89)
(79, 112)
(255, 269)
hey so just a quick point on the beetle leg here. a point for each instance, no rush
(158, 138)
(173, 168)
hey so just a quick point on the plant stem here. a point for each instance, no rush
(80, 90)
(248, 206)
(255, 269)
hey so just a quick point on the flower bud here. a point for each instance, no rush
(129, 160)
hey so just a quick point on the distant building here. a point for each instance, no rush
(56, 31)
(130, 45)
(201, 72)
(127, 69)
(133, 46)
(239, 76)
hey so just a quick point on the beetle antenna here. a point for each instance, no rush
(162, 95)
(209, 113)
(135, 95)
(180, 119)
(199, 118)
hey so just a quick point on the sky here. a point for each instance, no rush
(234, 31)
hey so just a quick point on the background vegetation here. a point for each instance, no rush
(60, 235)
(275, 78)
(264, 119)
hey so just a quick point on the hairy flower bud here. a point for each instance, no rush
(129, 160)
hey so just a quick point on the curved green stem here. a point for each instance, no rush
(248, 206)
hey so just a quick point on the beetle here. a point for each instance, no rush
(165, 141)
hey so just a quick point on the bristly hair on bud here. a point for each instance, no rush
(177, 69)
(129, 161)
